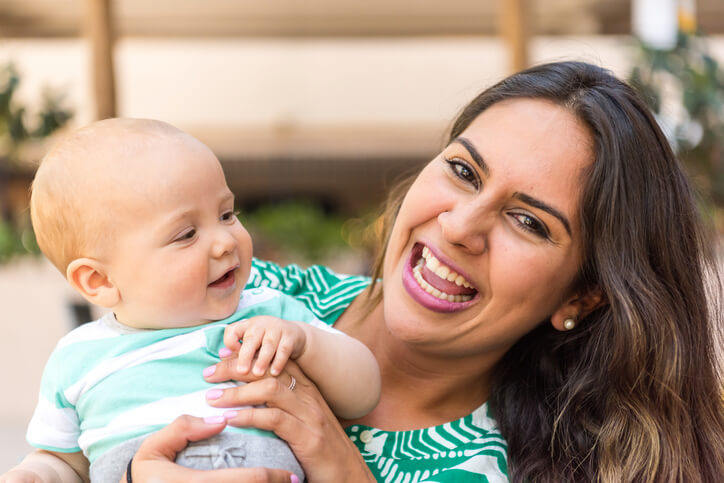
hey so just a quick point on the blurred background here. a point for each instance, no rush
(314, 108)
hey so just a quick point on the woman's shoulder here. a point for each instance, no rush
(466, 450)
(325, 292)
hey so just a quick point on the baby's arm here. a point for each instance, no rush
(343, 368)
(42, 466)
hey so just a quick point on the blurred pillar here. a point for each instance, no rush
(515, 29)
(99, 30)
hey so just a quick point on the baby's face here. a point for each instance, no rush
(180, 257)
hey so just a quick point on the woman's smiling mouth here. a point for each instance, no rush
(435, 285)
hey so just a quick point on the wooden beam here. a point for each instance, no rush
(515, 30)
(99, 28)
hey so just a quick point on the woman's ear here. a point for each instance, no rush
(577, 308)
(88, 276)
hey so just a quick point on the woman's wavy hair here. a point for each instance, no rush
(634, 392)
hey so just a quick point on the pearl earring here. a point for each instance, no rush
(569, 323)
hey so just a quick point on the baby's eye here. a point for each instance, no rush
(187, 235)
(228, 215)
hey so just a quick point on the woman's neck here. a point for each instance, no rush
(419, 388)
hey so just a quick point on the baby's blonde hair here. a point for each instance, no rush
(70, 205)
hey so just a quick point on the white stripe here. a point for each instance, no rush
(481, 419)
(159, 412)
(317, 273)
(476, 433)
(448, 427)
(484, 465)
(439, 439)
(421, 440)
(312, 279)
(401, 444)
(87, 332)
(164, 349)
(52, 426)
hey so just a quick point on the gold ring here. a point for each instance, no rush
(293, 383)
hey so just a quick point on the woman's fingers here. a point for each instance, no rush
(263, 391)
(168, 441)
(154, 460)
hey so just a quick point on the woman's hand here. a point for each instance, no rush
(154, 460)
(299, 416)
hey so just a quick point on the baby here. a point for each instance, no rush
(138, 217)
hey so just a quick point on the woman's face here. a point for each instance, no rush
(487, 243)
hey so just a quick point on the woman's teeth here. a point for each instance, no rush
(443, 271)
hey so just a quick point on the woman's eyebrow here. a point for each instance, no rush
(536, 203)
(473, 153)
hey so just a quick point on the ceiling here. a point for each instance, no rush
(24, 18)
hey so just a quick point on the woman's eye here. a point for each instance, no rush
(187, 235)
(464, 172)
(530, 224)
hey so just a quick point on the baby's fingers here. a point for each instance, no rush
(252, 341)
(269, 345)
(284, 352)
(233, 333)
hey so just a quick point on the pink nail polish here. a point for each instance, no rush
(295, 479)
(214, 419)
(230, 414)
(214, 394)
(209, 371)
(224, 352)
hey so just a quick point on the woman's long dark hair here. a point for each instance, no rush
(634, 392)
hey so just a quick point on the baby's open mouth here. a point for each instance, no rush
(223, 279)
(439, 280)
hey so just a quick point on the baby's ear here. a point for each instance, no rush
(88, 276)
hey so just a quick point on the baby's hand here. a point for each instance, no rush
(268, 338)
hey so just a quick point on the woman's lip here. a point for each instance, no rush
(445, 261)
(423, 298)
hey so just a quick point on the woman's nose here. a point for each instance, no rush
(466, 226)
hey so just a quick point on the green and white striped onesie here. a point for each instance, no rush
(106, 383)
(470, 449)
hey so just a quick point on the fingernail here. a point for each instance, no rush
(224, 352)
(209, 370)
(214, 419)
(295, 479)
(214, 394)
(230, 414)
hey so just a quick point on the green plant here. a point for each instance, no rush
(684, 87)
(19, 129)
(301, 231)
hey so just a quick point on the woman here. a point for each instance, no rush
(540, 309)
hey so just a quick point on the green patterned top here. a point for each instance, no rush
(470, 449)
